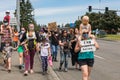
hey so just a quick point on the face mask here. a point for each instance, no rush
(5, 24)
(85, 35)
(7, 44)
(22, 31)
(31, 28)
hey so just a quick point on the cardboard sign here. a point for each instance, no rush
(87, 45)
(52, 26)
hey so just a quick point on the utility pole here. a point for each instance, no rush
(18, 14)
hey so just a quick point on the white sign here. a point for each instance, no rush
(87, 45)
(13, 21)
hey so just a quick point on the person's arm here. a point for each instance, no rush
(96, 44)
(77, 47)
(60, 43)
(1, 29)
(80, 28)
(49, 51)
(90, 29)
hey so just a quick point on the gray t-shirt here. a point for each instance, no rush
(8, 51)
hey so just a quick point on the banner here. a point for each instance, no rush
(87, 45)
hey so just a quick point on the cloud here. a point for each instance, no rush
(57, 10)
(7, 5)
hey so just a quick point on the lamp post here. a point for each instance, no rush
(18, 14)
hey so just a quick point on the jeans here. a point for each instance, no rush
(64, 58)
(54, 50)
(44, 63)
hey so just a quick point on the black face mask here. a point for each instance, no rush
(85, 35)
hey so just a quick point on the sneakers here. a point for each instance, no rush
(26, 73)
(60, 68)
(31, 71)
(66, 70)
(44, 73)
(20, 67)
(9, 71)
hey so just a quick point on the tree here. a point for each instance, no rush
(77, 23)
(26, 14)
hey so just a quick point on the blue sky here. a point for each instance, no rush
(61, 11)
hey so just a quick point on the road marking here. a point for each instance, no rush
(99, 57)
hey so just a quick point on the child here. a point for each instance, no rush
(45, 53)
(8, 50)
(85, 26)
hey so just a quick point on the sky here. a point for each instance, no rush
(60, 11)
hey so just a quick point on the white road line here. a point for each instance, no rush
(99, 57)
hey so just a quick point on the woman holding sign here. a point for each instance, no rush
(85, 56)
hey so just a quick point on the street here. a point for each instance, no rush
(106, 67)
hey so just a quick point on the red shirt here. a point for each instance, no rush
(7, 18)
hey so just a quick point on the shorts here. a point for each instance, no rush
(88, 62)
(20, 49)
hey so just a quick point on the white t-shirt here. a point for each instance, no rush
(44, 49)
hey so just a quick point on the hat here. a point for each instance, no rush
(7, 11)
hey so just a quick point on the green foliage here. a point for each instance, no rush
(26, 14)
(77, 23)
(108, 21)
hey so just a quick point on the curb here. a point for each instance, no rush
(52, 75)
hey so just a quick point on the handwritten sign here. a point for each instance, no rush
(52, 26)
(87, 45)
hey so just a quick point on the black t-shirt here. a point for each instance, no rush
(54, 40)
(67, 40)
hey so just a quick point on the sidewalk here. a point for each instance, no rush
(16, 74)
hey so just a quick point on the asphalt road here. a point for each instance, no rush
(106, 67)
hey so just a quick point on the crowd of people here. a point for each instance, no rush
(48, 44)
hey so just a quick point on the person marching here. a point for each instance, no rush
(7, 50)
(21, 48)
(54, 43)
(74, 55)
(86, 59)
(7, 34)
(64, 50)
(31, 38)
(45, 53)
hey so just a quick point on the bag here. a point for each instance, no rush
(50, 60)
(31, 44)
